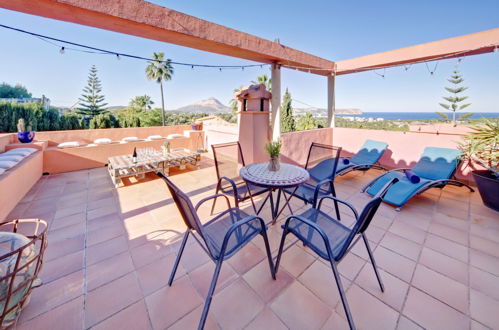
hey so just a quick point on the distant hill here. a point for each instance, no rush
(209, 106)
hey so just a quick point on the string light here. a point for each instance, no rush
(95, 50)
(118, 57)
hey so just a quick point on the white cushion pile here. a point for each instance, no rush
(70, 144)
(102, 141)
(129, 139)
(174, 136)
(13, 157)
(155, 137)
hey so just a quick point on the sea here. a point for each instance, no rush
(417, 115)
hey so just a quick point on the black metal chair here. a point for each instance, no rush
(322, 162)
(228, 161)
(332, 240)
(220, 237)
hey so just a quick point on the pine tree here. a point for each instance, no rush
(455, 99)
(287, 120)
(91, 100)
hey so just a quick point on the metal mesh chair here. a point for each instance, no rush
(332, 240)
(220, 237)
(322, 161)
(228, 161)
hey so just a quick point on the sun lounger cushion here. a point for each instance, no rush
(155, 137)
(6, 164)
(174, 136)
(15, 158)
(70, 144)
(130, 139)
(369, 153)
(102, 141)
(21, 151)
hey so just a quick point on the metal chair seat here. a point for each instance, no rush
(336, 232)
(215, 231)
(242, 190)
(306, 192)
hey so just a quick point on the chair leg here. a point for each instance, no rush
(269, 253)
(342, 295)
(336, 205)
(179, 255)
(371, 256)
(214, 200)
(281, 247)
(211, 290)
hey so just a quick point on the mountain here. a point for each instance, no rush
(209, 106)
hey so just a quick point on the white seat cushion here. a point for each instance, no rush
(70, 144)
(21, 151)
(155, 137)
(130, 139)
(15, 158)
(102, 141)
(174, 136)
(6, 164)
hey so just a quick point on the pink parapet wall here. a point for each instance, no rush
(404, 148)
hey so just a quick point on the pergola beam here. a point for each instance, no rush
(148, 20)
(470, 44)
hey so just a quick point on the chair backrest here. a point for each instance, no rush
(228, 160)
(366, 216)
(437, 163)
(369, 153)
(184, 205)
(322, 161)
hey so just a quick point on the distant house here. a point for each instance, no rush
(43, 100)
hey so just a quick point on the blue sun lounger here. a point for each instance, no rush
(366, 158)
(435, 169)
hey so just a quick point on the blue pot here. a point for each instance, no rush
(26, 137)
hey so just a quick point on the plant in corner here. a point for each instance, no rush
(24, 133)
(481, 147)
(273, 148)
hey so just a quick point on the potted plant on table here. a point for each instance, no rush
(481, 147)
(24, 133)
(273, 148)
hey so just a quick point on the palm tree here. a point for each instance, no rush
(143, 102)
(264, 79)
(159, 70)
(233, 101)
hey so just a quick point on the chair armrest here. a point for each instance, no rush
(232, 183)
(211, 197)
(319, 185)
(339, 201)
(235, 226)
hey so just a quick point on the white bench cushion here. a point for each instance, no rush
(130, 139)
(174, 136)
(155, 137)
(6, 164)
(21, 151)
(70, 144)
(15, 158)
(102, 141)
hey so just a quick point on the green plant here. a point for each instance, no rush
(160, 69)
(142, 102)
(454, 99)
(91, 100)
(21, 126)
(287, 120)
(482, 146)
(104, 120)
(273, 148)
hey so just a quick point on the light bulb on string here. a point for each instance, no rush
(118, 57)
(62, 51)
(220, 69)
(192, 67)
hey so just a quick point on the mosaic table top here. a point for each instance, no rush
(287, 176)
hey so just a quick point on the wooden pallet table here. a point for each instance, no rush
(120, 167)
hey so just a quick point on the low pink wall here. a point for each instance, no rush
(16, 182)
(5, 139)
(404, 148)
(295, 145)
(115, 134)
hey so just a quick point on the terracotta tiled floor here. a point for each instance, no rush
(111, 251)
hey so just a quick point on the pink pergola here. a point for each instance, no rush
(144, 19)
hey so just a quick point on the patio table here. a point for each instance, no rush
(288, 176)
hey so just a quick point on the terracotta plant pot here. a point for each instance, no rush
(274, 164)
(488, 186)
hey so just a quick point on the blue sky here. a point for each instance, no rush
(334, 30)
